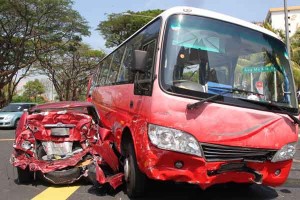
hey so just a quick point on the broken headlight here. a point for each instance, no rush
(287, 152)
(26, 145)
(172, 139)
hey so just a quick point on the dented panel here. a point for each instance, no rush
(63, 143)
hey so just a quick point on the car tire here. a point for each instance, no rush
(62, 177)
(24, 176)
(135, 180)
(16, 123)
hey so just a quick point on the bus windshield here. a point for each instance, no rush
(204, 56)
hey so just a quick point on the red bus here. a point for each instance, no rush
(199, 97)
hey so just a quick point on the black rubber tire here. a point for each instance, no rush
(92, 177)
(24, 176)
(16, 123)
(62, 177)
(136, 183)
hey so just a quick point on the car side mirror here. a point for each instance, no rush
(139, 59)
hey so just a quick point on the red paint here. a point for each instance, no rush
(211, 123)
(108, 155)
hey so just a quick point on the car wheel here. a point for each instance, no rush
(24, 176)
(135, 180)
(17, 123)
(64, 176)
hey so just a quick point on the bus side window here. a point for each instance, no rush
(96, 77)
(126, 74)
(105, 70)
(110, 61)
(123, 69)
(116, 63)
(150, 48)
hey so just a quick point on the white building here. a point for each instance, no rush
(275, 17)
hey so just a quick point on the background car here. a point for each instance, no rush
(10, 115)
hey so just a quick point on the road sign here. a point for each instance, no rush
(252, 69)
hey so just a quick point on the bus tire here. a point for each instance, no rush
(135, 180)
(24, 175)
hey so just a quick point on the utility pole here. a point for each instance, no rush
(287, 37)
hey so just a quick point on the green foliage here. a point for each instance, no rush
(33, 89)
(69, 68)
(22, 98)
(295, 51)
(295, 48)
(120, 26)
(279, 32)
(31, 29)
(296, 72)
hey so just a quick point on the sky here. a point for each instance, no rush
(95, 11)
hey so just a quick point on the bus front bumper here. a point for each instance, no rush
(172, 166)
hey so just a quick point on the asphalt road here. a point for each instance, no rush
(11, 190)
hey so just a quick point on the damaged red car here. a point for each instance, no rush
(63, 142)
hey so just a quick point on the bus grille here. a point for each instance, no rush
(229, 153)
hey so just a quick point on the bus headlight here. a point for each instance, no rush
(287, 152)
(172, 139)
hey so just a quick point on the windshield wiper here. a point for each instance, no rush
(192, 106)
(228, 90)
(270, 104)
(267, 104)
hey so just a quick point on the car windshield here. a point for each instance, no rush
(14, 108)
(204, 56)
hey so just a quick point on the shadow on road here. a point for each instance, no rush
(161, 190)
(171, 191)
(7, 128)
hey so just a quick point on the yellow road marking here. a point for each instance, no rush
(2, 140)
(57, 193)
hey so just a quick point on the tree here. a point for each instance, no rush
(295, 50)
(33, 89)
(279, 32)
(69, 69)
(295, 46)
(120, 26)
(295, 56)
(29, 28)
(47, 83)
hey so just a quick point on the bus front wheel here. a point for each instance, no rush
(135, 180)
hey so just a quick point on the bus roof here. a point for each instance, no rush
(205, 13)
(214, 15)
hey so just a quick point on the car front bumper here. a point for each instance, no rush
(163, 165)
(7, 123)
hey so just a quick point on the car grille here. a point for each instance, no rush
(228, 153)
(1, 118)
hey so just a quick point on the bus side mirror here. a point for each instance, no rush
(139, 59)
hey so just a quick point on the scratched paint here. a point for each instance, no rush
(65, 164)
